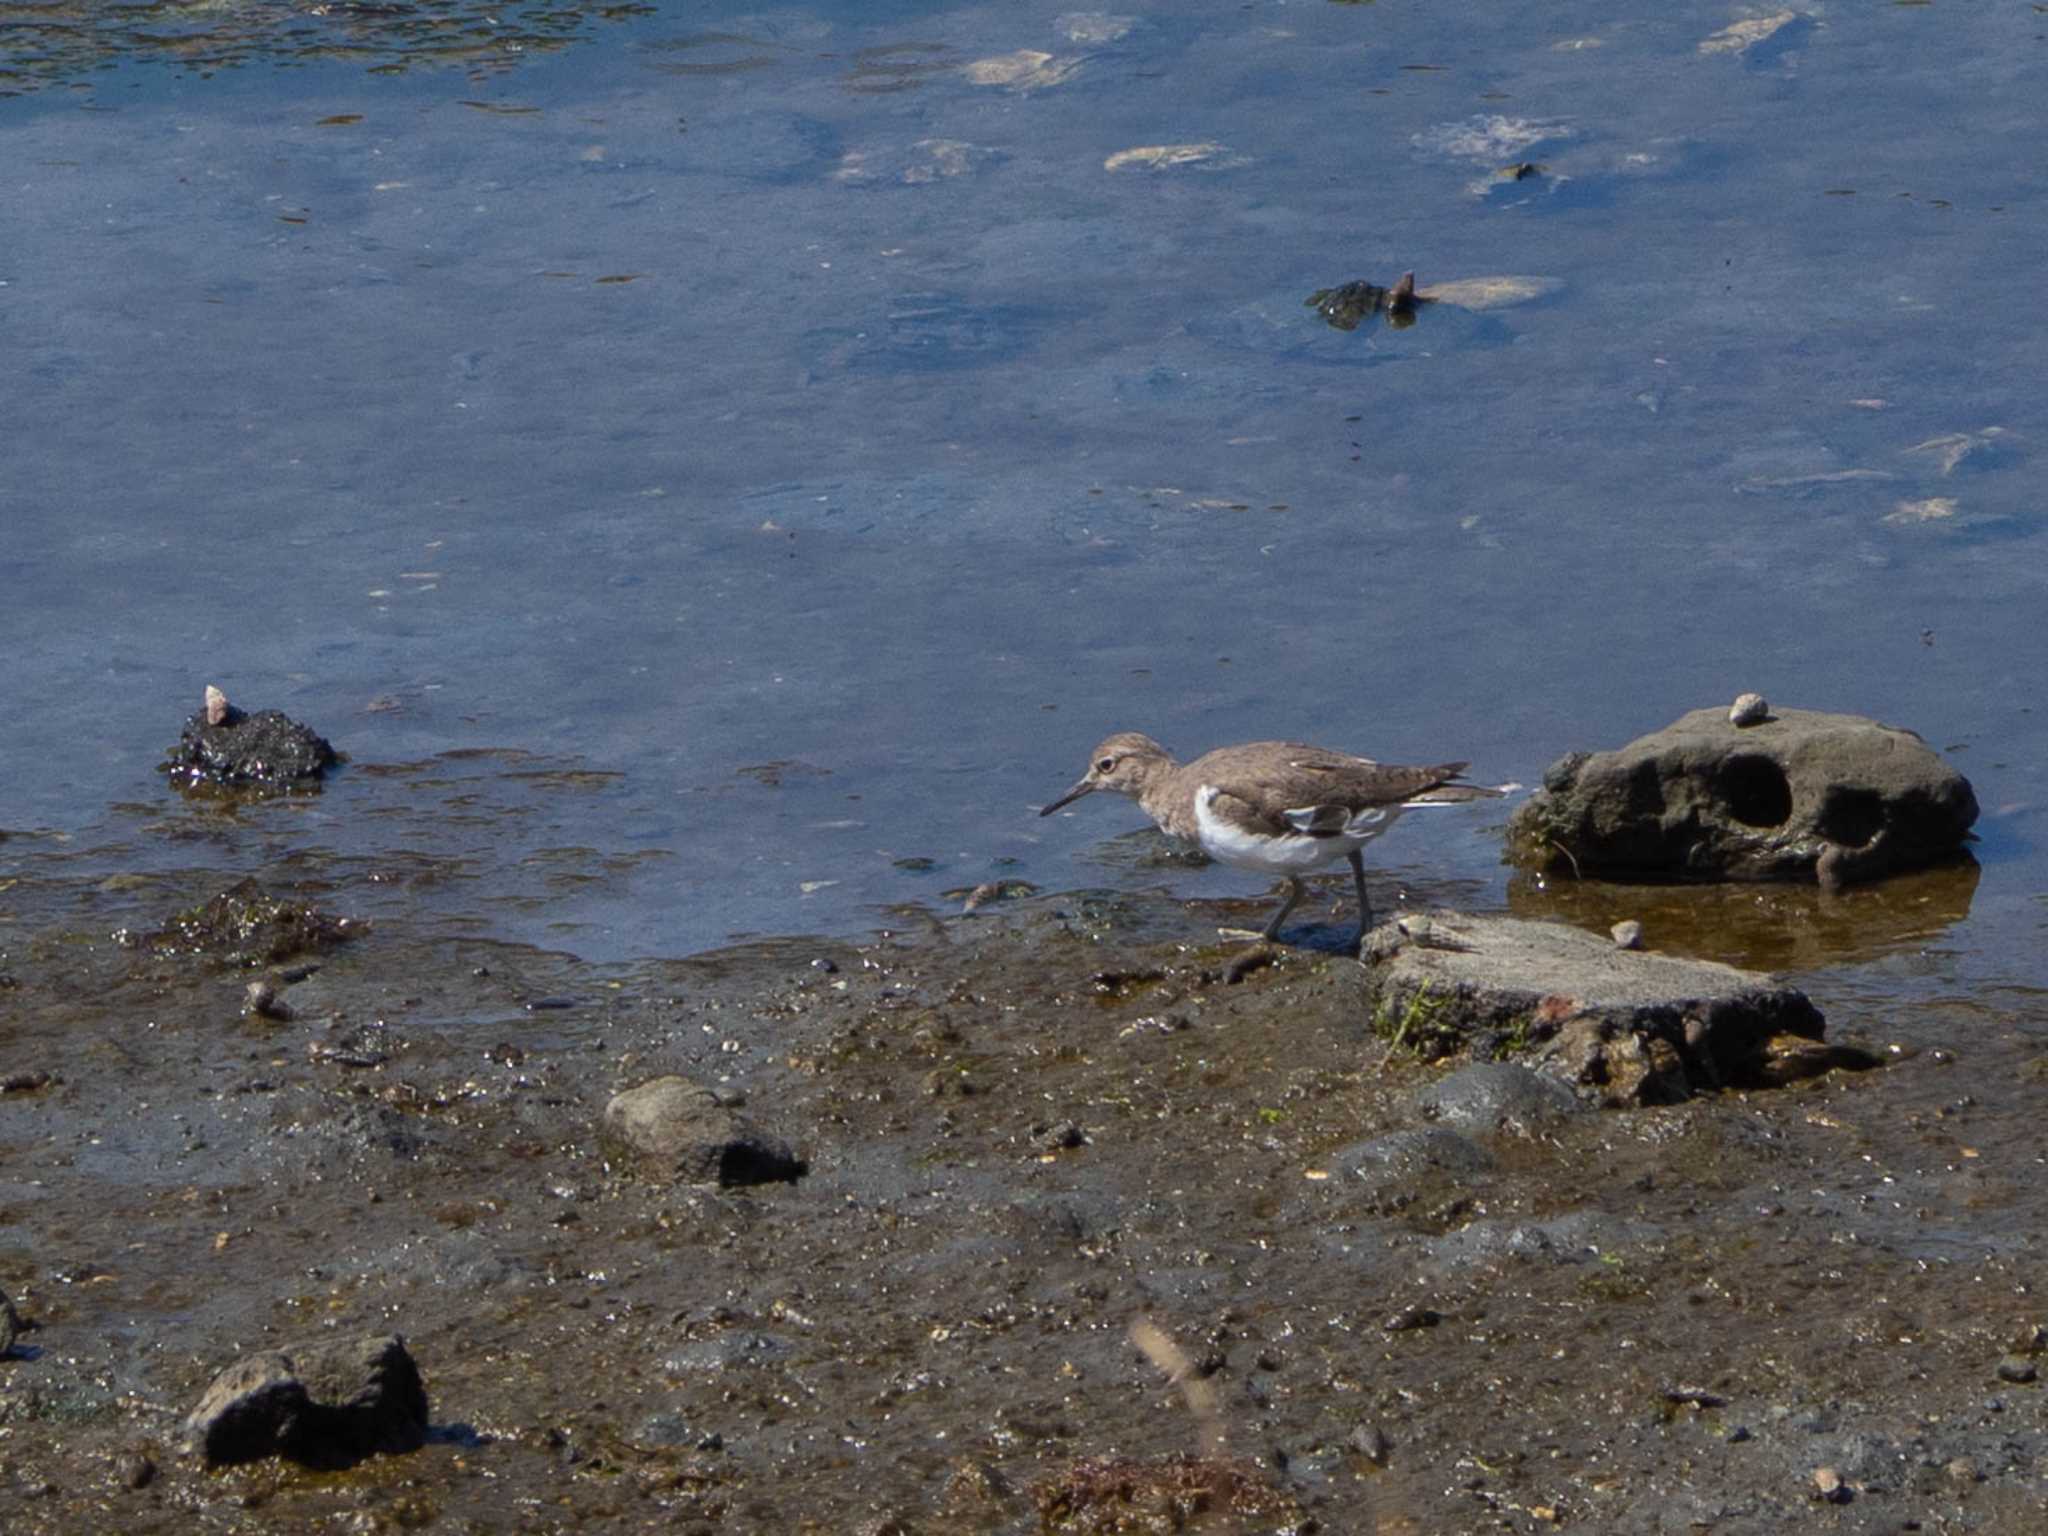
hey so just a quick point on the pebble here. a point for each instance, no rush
(1412, 1317)
(263, 999)
(1242, 965)
(1371, 1443)
(216, 706)
(1628, 934)
(1749, 709)
(1831, 1486)
(1963, 1470)
(1063, 1137)
(2017, 1369)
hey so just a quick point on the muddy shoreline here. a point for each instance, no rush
(1812, 1307)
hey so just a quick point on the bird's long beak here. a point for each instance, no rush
(1080, 789)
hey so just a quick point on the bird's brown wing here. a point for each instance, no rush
(1315, 776)
(1258, 784)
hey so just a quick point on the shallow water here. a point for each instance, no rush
(782, 443)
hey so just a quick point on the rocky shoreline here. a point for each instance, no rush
(1394, 1293)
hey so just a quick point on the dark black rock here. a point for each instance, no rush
(327, 1404)
(266, 750)
(1349, 303)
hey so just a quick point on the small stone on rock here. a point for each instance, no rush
(1749, 709)
(216, 706)
(1829, 1482)
(1628, 934)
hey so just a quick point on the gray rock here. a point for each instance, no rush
(10, 1325)
(1491, 1096)
(328, 1404)
(729, 1351)
(1426, 1149)
(1627, 934)
(1578, 1237)
(1797, 794)
(1637, 1028)
(1431, 1165)
(684, 1132)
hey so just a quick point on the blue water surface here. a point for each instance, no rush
(717, 471)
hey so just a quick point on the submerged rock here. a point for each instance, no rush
(328, 1403)
(1838, 798)
(1349, 303)
(223, 748)
(1634, 1028)
(684, 1132)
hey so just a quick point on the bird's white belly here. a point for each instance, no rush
(1289, 854)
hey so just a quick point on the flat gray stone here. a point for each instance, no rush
(1799, 794)
(1634, 1028)
(684, 1132)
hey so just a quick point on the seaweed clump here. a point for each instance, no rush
(245, 927)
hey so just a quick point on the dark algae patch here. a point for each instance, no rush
(245, 926)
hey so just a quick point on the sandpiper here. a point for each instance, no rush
(1277, 806)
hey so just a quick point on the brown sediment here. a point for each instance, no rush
(1020, 1141)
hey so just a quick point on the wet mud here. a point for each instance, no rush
(1092, 1237)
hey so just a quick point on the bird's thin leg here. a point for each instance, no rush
(1364, 901)
(1272, 929)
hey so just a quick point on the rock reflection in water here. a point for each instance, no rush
(1771, 926)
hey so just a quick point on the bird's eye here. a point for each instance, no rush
(1107, 765)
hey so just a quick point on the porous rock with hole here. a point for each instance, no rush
(1802, 794)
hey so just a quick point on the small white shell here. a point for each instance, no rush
(216, 706)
